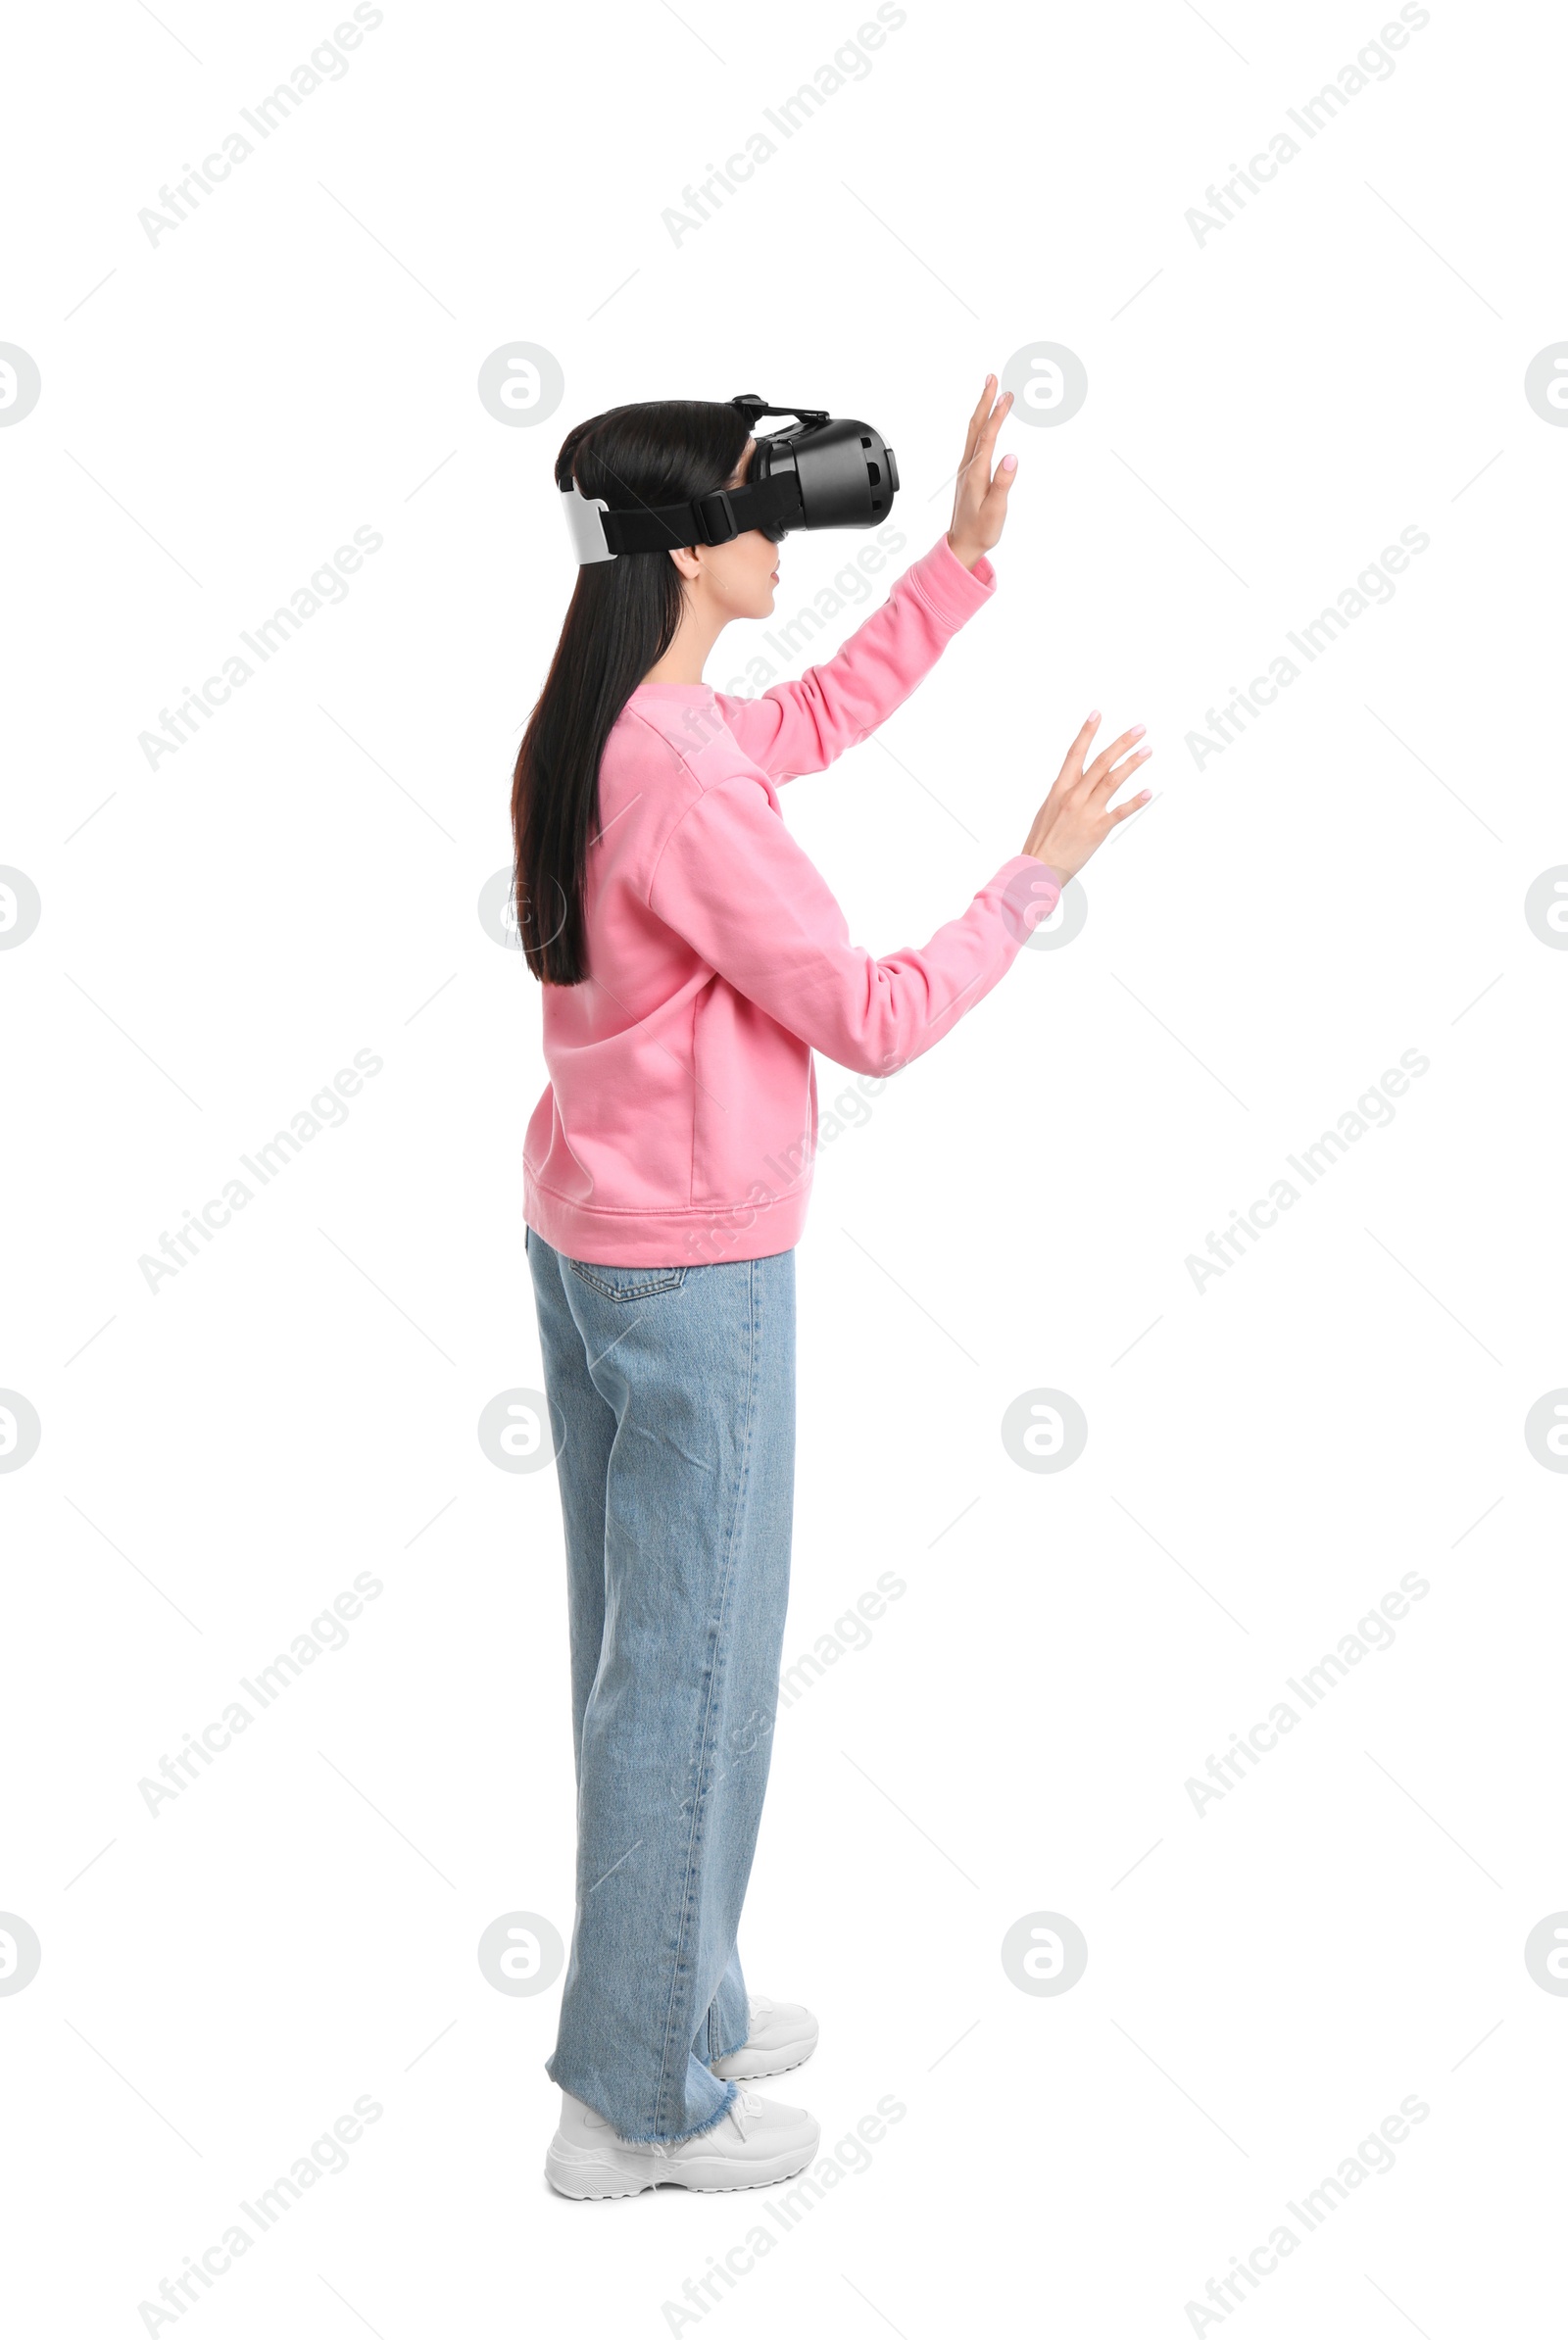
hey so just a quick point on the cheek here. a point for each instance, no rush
(748, 570)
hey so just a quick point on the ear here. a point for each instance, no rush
(686, 560)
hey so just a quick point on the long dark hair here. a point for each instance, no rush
(622, 619)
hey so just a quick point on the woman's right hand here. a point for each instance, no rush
(1075, 820)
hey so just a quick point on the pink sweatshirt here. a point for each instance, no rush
(680, 1122)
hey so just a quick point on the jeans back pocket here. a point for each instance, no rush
(627, 1283)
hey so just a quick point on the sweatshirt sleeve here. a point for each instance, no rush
(801, 726)
(734, 884)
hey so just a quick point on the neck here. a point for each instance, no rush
(683, 662)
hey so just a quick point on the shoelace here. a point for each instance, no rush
(746, 2106)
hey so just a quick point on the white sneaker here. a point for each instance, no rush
(757, 2143)
(780, 2037)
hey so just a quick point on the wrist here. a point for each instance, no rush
(1052, 869)
(963, 551)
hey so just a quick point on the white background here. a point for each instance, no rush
(1267, 409)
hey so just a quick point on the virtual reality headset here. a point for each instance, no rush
(824, 472)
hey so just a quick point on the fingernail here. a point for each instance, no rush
(1139, 729)
(1093, 715)
(1009, 462)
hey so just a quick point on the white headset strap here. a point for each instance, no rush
(584, 524)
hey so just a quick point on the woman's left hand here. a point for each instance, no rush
(980, 499)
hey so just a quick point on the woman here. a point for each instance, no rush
(692, 958)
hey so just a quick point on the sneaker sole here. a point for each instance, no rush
(735, 2067)
(731, 2068)
(603, 2177)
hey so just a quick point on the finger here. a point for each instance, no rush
(998, 415)
(994, 503)
(974, 472)
(986, 437)
(1115, 748)
(1072, 761)
(1102, 794)
(1129, 770)
(972, 431)
(1126, 812)
(1103, 762)
(1126, 768)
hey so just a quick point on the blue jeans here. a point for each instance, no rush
(672, 1405)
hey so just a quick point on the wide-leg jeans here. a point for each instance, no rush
(671, 1395)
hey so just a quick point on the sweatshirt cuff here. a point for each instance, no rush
(949, 590)
(1024, 892)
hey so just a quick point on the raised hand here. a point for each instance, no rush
(980, 497)
(1076, 818)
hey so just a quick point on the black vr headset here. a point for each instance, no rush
(826, 473)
